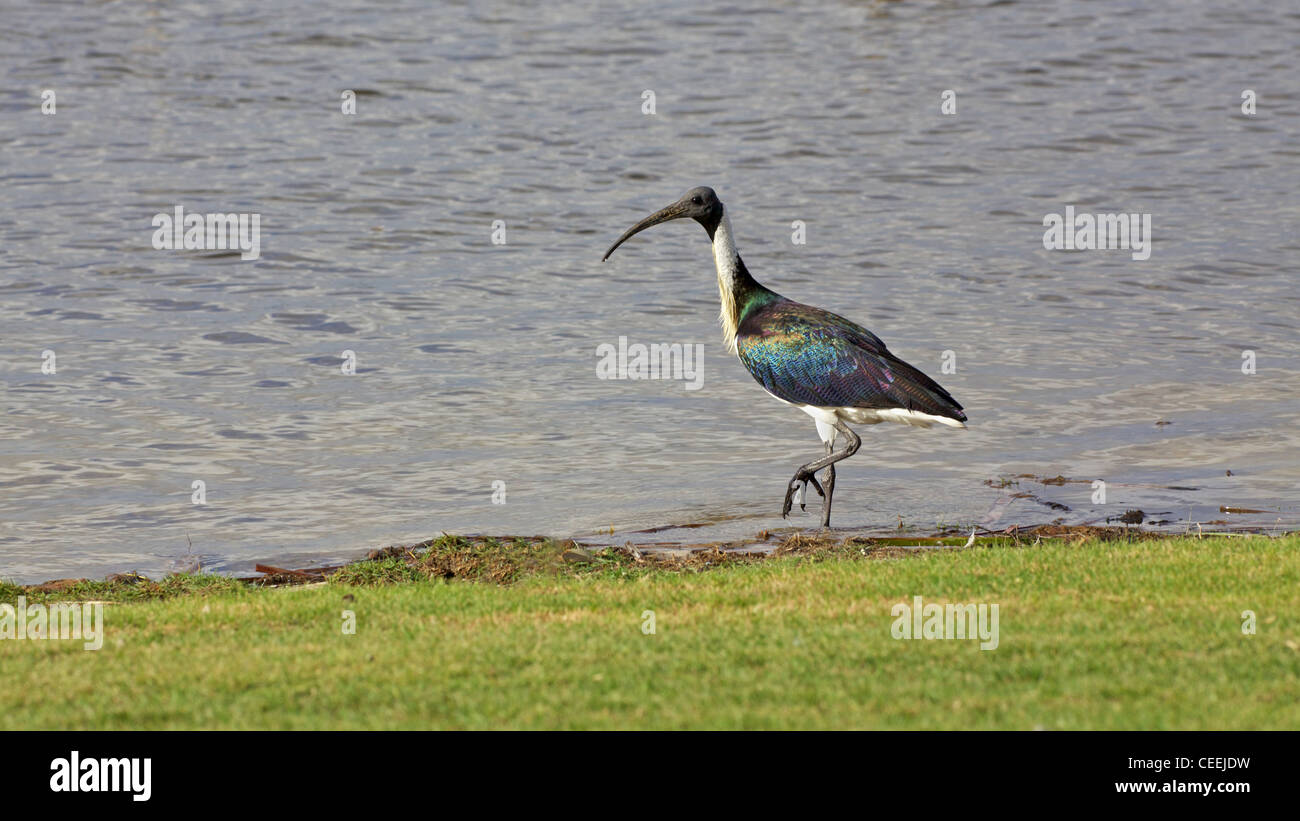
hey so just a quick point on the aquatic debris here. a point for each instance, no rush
(56, 585)
(126, 578)
(1129, 517)
(1081, 533)
(279, 575)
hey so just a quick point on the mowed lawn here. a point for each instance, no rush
(1130, 635)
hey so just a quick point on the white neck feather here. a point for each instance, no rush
(726, 259)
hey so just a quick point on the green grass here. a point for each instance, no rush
(1132, 635)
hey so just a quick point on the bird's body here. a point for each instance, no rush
(825, 364)
(833, 369)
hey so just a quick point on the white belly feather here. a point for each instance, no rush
(826, 417)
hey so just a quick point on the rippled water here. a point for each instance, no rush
(476, 362)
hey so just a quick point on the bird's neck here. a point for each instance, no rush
(737, 290)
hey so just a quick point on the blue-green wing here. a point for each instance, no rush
(808, 356)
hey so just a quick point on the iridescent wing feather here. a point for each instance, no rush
(808, 356)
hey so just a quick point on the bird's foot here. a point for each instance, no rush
(799, 485)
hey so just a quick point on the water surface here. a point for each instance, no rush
(476, 363)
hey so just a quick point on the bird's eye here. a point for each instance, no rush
(697, 200)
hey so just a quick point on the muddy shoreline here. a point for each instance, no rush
(1045, 496)
(505, 559)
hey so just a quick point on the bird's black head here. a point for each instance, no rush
(700, 204)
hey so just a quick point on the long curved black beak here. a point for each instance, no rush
(672, 212)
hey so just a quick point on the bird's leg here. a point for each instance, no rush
(805, 473)
(829, 482)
